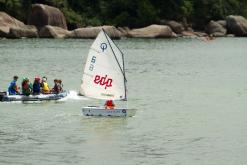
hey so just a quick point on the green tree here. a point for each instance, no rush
(132, 13)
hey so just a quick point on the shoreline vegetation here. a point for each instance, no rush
(44, 21)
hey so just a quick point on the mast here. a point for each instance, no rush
(122, 69)
(125, 81)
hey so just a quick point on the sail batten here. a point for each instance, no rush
(104, 75)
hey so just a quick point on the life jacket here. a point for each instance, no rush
(56, 88)
(109, 104)
(45, 87)
(26, 88)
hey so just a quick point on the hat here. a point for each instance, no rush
(44, 78)
(25, 79)
(37, 78)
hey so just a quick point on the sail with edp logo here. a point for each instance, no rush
(104, 77)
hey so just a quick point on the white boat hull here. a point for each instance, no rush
(101, 111)
(40, 97)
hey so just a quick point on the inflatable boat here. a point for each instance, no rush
(5, 97)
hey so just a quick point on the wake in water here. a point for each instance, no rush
(73, 95)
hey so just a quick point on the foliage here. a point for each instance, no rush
(132, 13)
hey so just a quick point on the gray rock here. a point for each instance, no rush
(200, 34)
(28, 31)
(175, 26)
(124, 31)
(237, 25)
(230, 35)
(92, 32)
(42, 15)
(152, 31)
(194, 34)
(222, 23)
(215, 29)
(7, 22)
(53, 32)
(189, 34)
(4, 31)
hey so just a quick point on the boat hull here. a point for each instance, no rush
(40, 97)
(101, 111)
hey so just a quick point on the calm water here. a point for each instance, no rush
(190, 95)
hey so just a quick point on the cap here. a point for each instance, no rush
(44, 78)
(37, 78)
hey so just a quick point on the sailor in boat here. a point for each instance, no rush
(45, 86)
(27, 87)
(36, 86)
(57, 86)
(13, 89)
(109, 104)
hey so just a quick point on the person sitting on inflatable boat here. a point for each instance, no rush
(45, 86)
(57, 86)
(109, 104)
(13, 89)
(27, 87)
(36, 86)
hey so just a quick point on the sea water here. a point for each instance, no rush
(190, 97)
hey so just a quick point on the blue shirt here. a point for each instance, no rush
(36, 87)
(12, 88)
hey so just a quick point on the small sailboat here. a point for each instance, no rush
(104, 77)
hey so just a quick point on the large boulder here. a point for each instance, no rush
(215, 29)
(189, 34)
(152, 31)
(176, 27)
(92, 32)
(53, 32)
(222, 23)
(7, 22)
(28, 31)
(42, 15)
(237, 25)
(124, 31)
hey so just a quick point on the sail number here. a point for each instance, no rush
(91, 66)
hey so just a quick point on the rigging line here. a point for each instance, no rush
(122, 58)
(122, 69)
(114, 55)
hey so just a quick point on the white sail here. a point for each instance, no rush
(104, 76)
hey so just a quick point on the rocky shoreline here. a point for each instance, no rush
(49, 22)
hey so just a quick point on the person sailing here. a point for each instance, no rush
(13, 89)
(109, 104)
(27, 87)
(36, 86)
(45, 86)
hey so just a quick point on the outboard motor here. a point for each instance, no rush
(2, 94)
